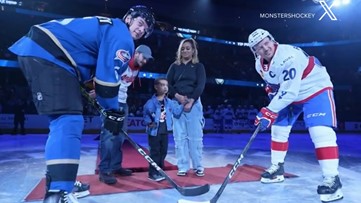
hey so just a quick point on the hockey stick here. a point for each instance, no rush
(186, 191)
(230, 174)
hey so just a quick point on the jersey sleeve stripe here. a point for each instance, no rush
(309, 67)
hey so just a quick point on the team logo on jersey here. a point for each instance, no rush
(122, 55)
(271, 74)
(283, 93)
(287, 59)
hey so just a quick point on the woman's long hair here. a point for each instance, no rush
(193, 43)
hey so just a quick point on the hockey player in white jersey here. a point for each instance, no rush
(296, 83)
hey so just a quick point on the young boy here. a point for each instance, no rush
(157, 113)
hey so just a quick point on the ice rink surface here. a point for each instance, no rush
(22, 165)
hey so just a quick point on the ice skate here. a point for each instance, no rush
(330, 189)
(273, 174)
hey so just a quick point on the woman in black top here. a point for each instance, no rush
(187, 78)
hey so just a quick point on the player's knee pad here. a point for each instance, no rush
(322, 136)
(280, 133)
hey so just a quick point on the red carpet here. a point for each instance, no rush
(134, 161)
(139, 181)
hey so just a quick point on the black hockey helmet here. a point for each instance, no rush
(144, 12)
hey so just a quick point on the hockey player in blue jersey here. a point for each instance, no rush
(55, 58)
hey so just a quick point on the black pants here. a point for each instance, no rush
(158, 151)
(54, 89)
(17, 122)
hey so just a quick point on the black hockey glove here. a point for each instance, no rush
(114, 121)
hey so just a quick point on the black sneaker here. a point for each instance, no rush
(123, 172)
(60, 197)
(81, 189)
(200, 173)
(107, 178)
(156, 177)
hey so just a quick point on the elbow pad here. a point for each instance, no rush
(106, 91)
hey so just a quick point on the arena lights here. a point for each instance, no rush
(187, 30)
(11, 2)
(338, 3)
(191, 35)
(209, 39)
(219, 81)
(151, 75)
(182, 35)
(334, 3)
(9, 64)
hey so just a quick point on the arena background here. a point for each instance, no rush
(221, 28)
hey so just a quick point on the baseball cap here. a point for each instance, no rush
(145, 50)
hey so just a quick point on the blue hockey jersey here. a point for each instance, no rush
(98, 47)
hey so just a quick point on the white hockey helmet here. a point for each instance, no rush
(256, 36)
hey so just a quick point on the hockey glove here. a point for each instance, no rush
(270, 92)
(265, 118)
(114, 121)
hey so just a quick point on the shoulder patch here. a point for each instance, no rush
(122, 55)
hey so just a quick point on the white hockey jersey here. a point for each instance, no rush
(127, 78)
(297, 75)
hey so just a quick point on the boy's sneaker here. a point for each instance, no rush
(273, 174)
(181, 173)
(156, 177)
(330, 189)
(107, 178)
(81, 189)
(200, 173)
(60, 197)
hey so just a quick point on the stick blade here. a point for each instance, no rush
(195, 191)
(189, 201)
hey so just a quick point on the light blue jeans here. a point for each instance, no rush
(188, 138)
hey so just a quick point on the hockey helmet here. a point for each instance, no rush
(256, 36)
(145, 13)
